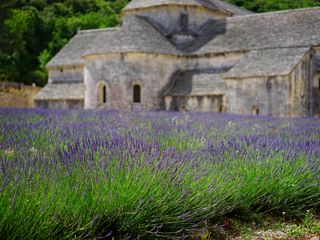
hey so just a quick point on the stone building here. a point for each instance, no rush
(192, 55)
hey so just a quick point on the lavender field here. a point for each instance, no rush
(129, 175)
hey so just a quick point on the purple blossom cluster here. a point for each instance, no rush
(180, 151)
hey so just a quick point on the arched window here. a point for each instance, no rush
(255, 110)
(136, 94)
(102, 93)
(183, 108)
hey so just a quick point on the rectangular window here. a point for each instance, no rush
(136, 94)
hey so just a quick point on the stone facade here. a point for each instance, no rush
(192, 56)
(63, 103)
(66, 74)
(316, 82)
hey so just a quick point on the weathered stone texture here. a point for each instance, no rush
(169, 16)
(203, 103)
(190, 55)
(60, 104)
(316, 81)
(72, 74)
(120, 71)
(270, 95)
(301, 87)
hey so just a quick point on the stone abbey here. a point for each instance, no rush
(192, 55)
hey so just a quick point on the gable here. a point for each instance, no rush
(136, 35)
(71, 53)
(216, 5)
(286, 29)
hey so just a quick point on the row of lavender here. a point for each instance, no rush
(84, 174)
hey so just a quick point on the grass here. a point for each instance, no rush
(86, 175)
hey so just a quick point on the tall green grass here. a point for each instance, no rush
(88, 181)
(90, 201)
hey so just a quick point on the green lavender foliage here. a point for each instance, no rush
(84, 174)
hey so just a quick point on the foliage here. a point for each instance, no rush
(33, 31)
(274, 5)
(84, 174)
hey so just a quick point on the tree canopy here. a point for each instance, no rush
(260, 6)
(33, 31)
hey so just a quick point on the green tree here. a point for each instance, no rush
(274, 5)
(33, 31)
(26, 38)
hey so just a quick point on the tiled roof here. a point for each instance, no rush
(71, 53)
(267, 62)
(136, 35)
(294, 28)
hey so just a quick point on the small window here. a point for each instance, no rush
(104, 94)
(221, 109)
(136, 94)
(183, 108)
(255, 111)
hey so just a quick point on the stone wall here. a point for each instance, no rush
(120, 72)
(17, 94)
(205, 103)
(60, 104)
(316, 82)
(292, 95)
(66, 74)
(259, 95)
(297, 94)
(223, 60)
(301, 87)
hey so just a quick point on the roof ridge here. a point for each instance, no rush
(277, 12)
(156, 29)
(136, 34)
(99, 30)
(234, 6)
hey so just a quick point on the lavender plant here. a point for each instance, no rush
(112, 174)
